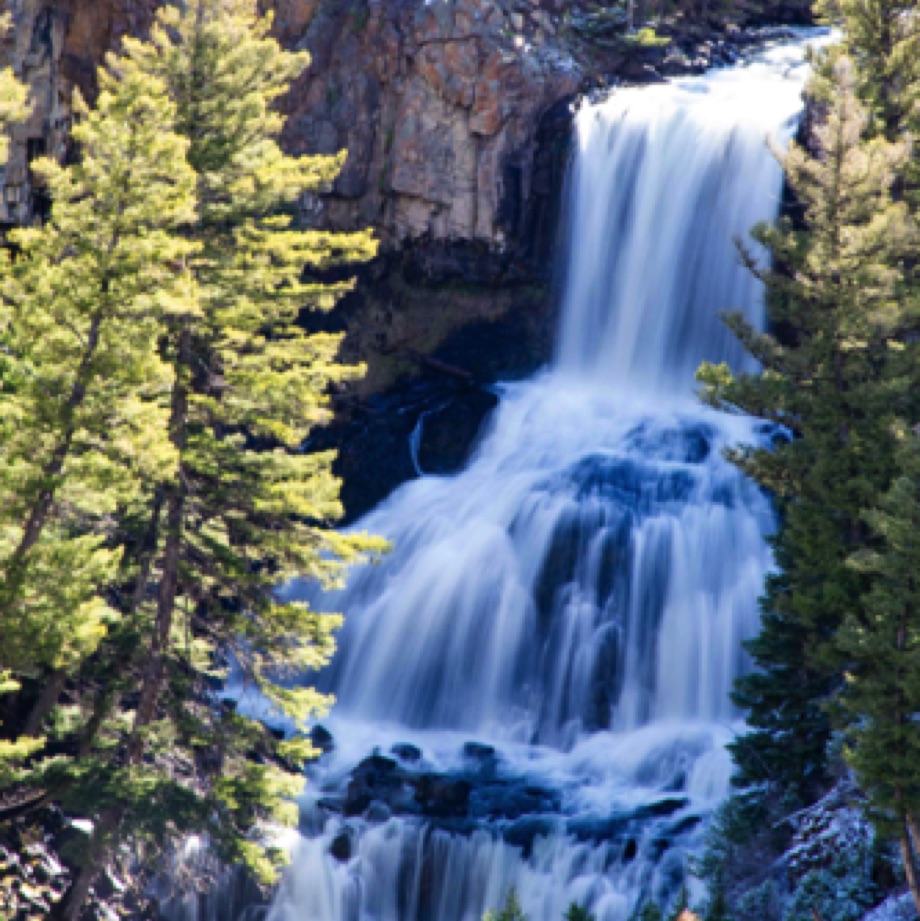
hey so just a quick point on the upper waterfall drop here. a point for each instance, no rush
(664, 179)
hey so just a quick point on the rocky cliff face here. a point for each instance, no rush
(55, 47)
(438, 104)
(451, 111)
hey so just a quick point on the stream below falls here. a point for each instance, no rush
(533, 687)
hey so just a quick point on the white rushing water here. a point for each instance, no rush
(577, 597)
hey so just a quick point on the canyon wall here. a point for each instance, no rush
(439, 105)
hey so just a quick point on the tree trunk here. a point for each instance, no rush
(910, 869)
(70, 906)
(641, 12)
(101, 710)
(152, 681)
(110, 699)
(22, 807)
(911, 821)
(54, 684)
(148, 552)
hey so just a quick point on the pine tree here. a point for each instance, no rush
(80, 376)
(243, 509)
(576, 912)
(881, 641)
(883, 39)
(836, 383)
(13, 107)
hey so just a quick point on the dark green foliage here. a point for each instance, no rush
(840, 644)
(841, 892)
(881, 697)
(576, 912)
(648, 911)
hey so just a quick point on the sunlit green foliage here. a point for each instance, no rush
(81, 381)
(157, 388)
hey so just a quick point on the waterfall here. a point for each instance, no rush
(665, 179)
(543, 663)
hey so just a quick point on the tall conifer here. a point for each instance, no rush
(13, 107)
(881, 643)
(243, 508)
(81, 381)
(835, 383)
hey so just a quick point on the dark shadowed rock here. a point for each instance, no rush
(511, 799)
(477, 751)
(321, 738)
(443, 797)
(341, 847)
(449, 432)
(525, 831)
(407, 753)
(375, 779)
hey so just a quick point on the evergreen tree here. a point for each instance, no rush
(80, 377)
(881, 641)
(13, 107)
(883, 39)
(835, 383)
(838, 634)
(576, 912)
(838, 637)
(242, 509)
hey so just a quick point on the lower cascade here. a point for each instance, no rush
(533, 687)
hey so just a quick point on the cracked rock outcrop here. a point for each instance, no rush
(438, 102)
(439, 105)
(55, 47)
